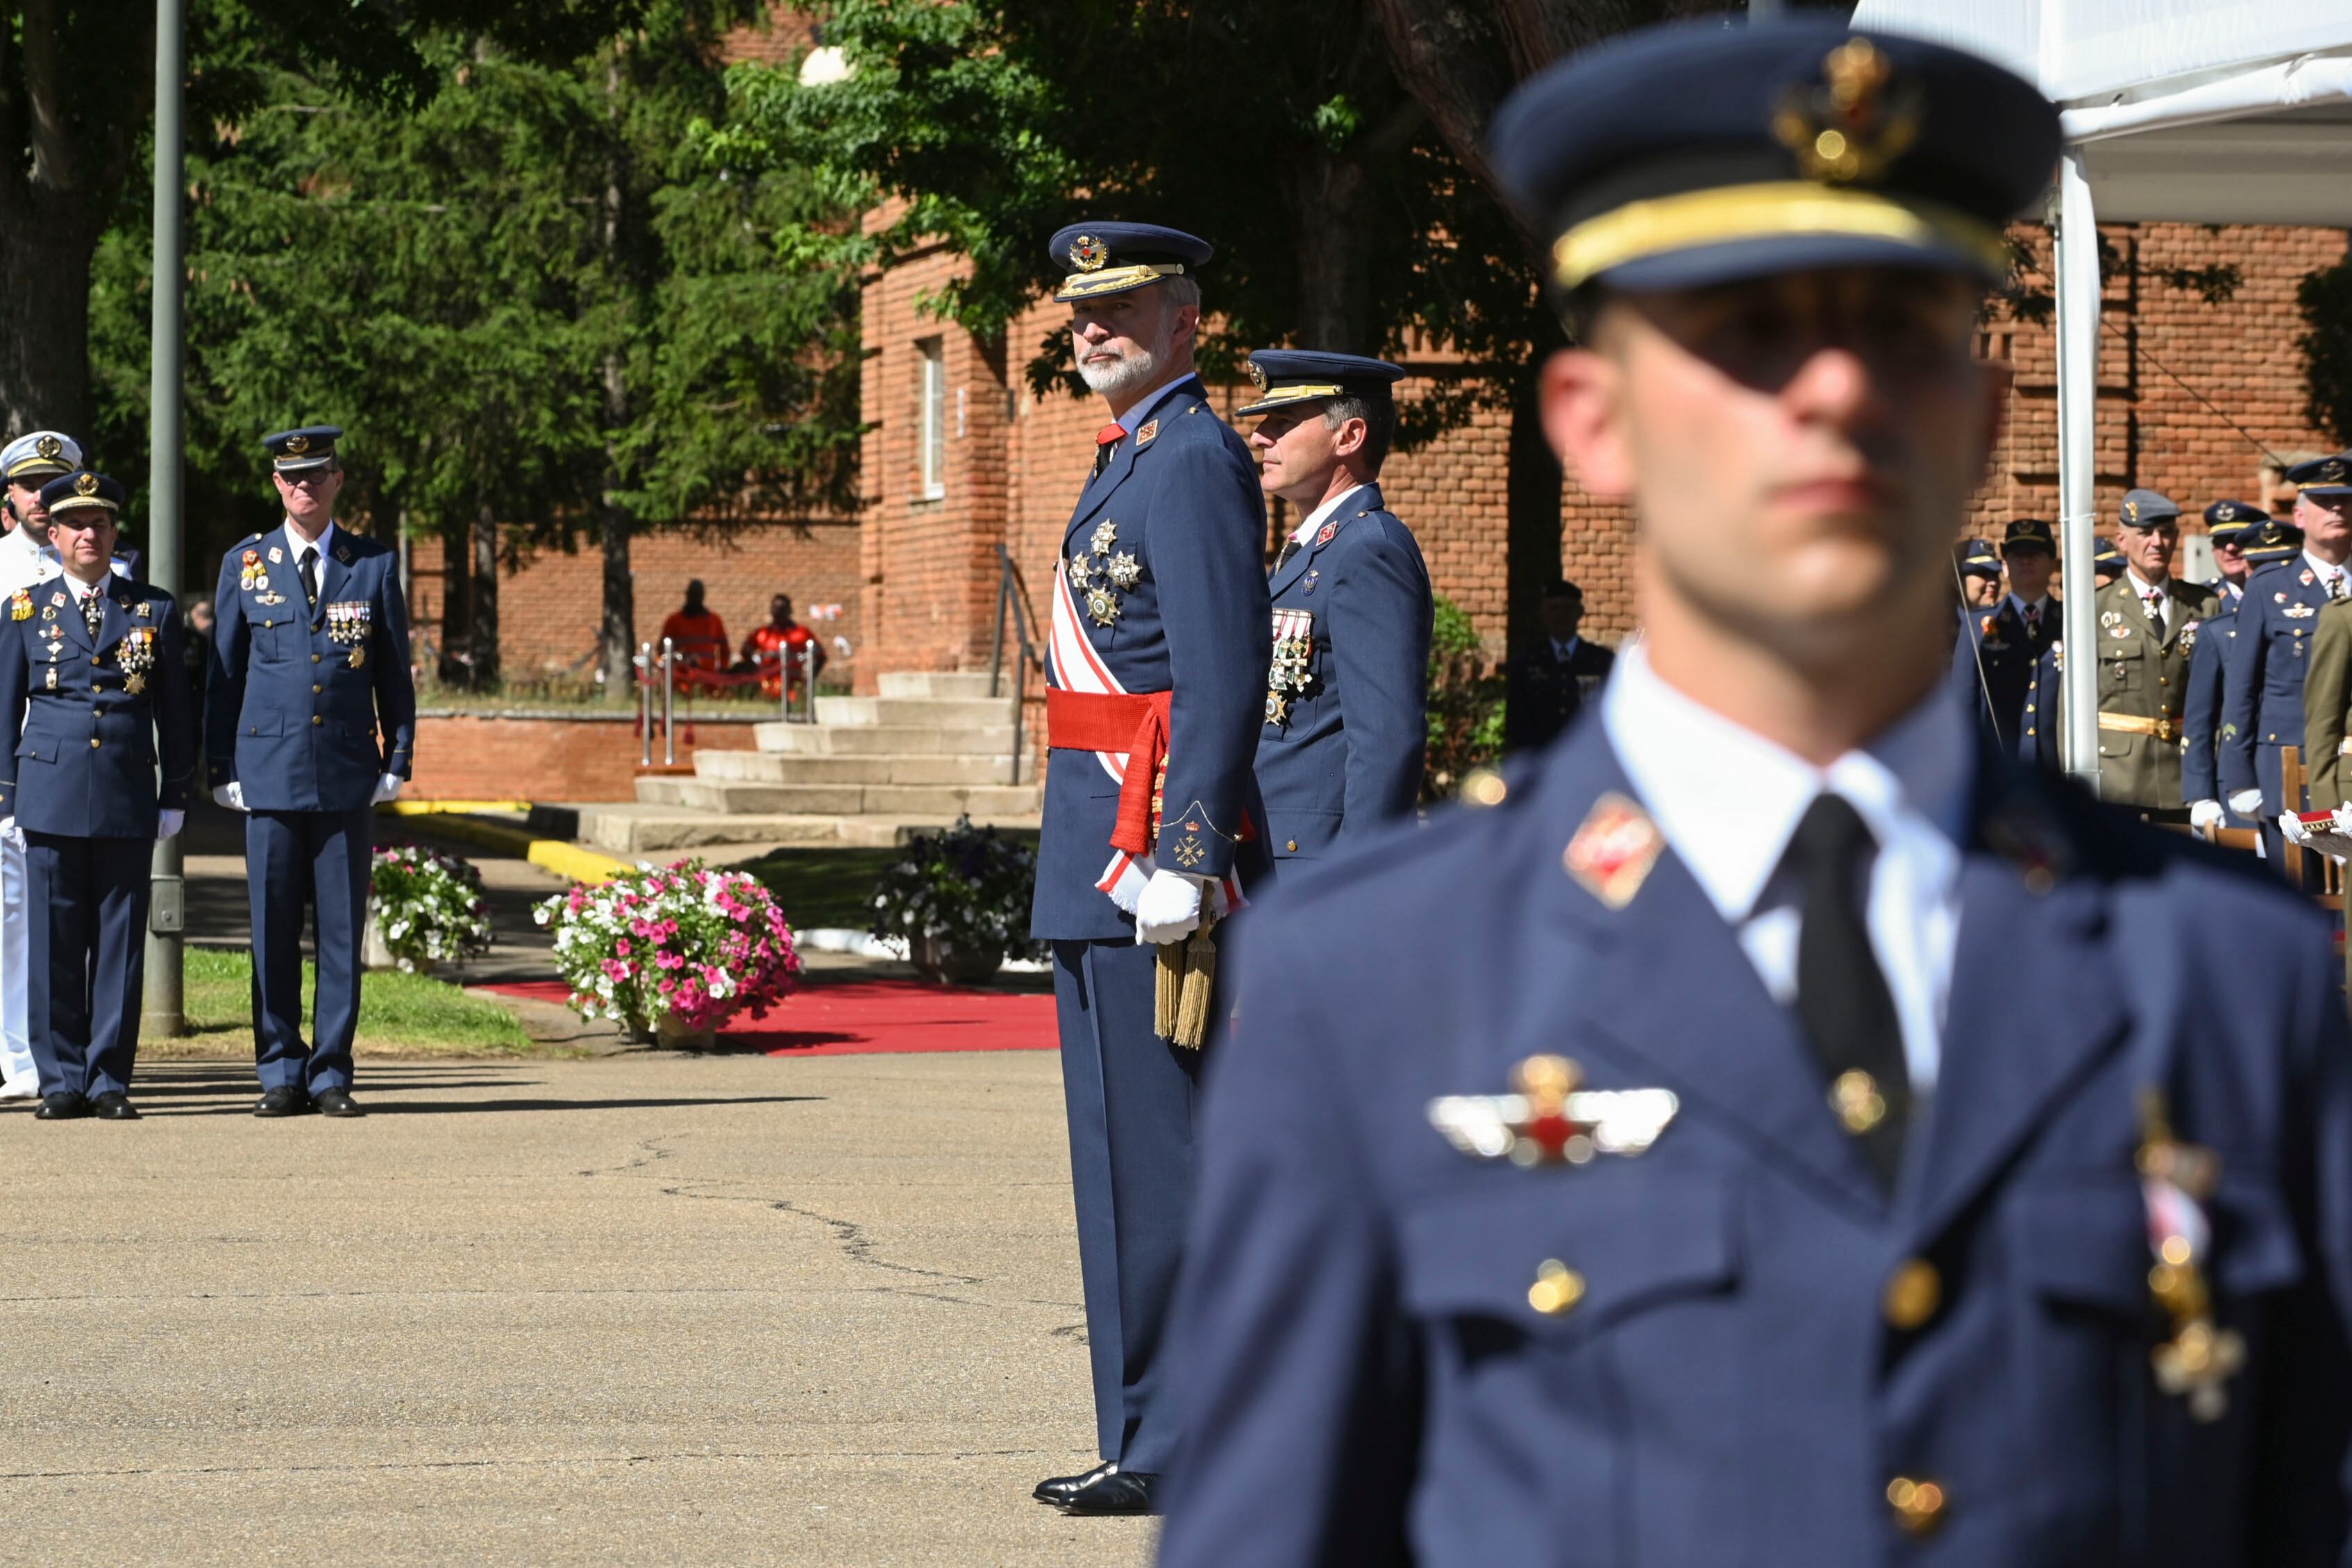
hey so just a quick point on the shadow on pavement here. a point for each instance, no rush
(224, 1088)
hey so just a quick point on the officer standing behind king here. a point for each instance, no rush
(311, 715)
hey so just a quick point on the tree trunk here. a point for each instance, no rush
(484, 622)
(45, 325)
(1330, 200)
(618, 634)
(456, 606)
(1532, 539)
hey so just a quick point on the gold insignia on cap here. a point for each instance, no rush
(86, 485)
(1856, 123)
(2332, 471)
(298, 444)
(1257, 376)
(2131, 511)
(49, 446)
(1088, 253)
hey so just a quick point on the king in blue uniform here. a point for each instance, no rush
(310, 716)
(1627, 1171)
(104, 754)
(1346, 711)
(1157, 679)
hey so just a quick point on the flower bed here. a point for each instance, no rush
(684, 943)
(426, 908)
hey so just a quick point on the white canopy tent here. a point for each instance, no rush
(2217, 112)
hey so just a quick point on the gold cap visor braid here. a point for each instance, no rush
(1276, 397)
(1114, 280)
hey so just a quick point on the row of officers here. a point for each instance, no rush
(2201, 686)
(309, 722)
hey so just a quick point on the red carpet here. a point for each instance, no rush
(874, 1017)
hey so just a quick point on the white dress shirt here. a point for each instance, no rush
(325, 542)
(1304, 534)
(2155, 598)
(2035, 614)
(1728, 801)
(2328, 575)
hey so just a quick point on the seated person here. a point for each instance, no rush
(781, 634)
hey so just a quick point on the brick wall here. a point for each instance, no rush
(467, 758)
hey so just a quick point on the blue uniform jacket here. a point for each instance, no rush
(1180, 500)
(296, 700)
(1351, 750)
(2200, 709)
(88, 747)
(1368, 1380)
(2261, 679)
(1998, 641)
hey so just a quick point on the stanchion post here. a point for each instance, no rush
(644, 667)
(162, 1010)
(669, 705)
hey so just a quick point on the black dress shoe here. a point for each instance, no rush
(285, 1102)
(114, 1105)
(64, 1105)
(1114, 1492)
(337, 1102)
(1056, 1490)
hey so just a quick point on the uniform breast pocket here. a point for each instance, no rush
(274, 638)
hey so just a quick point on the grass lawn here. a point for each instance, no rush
(400, 1015)
(823, 887)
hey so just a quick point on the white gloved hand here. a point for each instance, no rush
(2203, 814)
(1168, 910)
(168, 822)
(232, 795)
(2291, 828)
(2246, 802)
(11, 831)
(387, 788)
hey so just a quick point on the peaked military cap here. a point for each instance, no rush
(2107, 557)
(1696, 154)
(2145, 508)
(1283, 376)
(1112, 258)
(82, 491)
(41, 453)
(2028, 534)
(2329, 475)
(312, 446)
(2269, 540)
(1976, 558)
(2226, 519)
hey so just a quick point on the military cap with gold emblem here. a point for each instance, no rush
(1112, 258)
(1286, 376)
(2228, 520)
(82, 491)
(2028, 534)
(2146, 509)
(43, 454)
(312, 446)
(2330, 476)
(1976, 558)
(1696, 155)
(2271, 540)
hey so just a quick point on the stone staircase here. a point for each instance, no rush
(930, 747)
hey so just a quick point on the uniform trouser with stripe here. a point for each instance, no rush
(88, 946)
(1130, 1096)
(316, 861)
(16, 1068)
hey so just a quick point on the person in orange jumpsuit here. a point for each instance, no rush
(781, 633)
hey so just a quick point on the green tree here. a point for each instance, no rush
(2324, 299)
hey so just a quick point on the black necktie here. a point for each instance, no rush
(1843, 998)
(1289, 547)
(93, 612)
(310, 575)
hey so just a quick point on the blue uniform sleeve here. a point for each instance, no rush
(1205, 532)
(2200, 713)
(175, 731)
(395, 684)
(225, 684)
(1296, 1369)
(2241, 695)
(1380, 618)
(15, 694)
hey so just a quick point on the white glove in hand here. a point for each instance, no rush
(387, 788)
(11, 831)
(1169, 907)
(2246, 802)
(232, 795)
(2203, 814)
(168, 822)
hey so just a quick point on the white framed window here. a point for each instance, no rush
(931, 437)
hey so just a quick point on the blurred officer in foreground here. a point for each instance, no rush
(90, 691)
(310, 716)
(1570, 1192)
(2227, 523)
(1156, 671)
(2262, 680)
(1546, 686)
(1346, 709)
(1997, 674)
(28, 464)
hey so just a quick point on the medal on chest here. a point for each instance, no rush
(1286, 676)
(136, 655)
(1102, 574)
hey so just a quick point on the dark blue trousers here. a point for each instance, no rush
(88, 968)
(317, 859)
(1130, 1096)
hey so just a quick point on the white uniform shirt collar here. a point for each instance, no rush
(82, 590)
(2143, 588)
(1565, 650)
(1728, 801)
(2322, 570)
(1304, 532)
(295, 547)
(2038, 607)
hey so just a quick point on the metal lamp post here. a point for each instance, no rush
(164, 1007)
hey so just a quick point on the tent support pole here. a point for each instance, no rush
(2078, 389)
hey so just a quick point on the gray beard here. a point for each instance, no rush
(1132, 374)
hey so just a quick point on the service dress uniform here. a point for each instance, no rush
(1347, 709)
(90, 688)
(310, 704)
(1536, 1224)
(1547, 686)
(2261, 681)
(1994, 664)
(1157, 683)
(2200, 709)
(31, 460)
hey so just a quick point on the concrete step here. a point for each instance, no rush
(740, 798)
(938, 684)
(938, 713)
(651, 831)
(882, 740)
(773, 768)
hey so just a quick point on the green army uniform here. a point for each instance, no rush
(2326, 692)
(2142, 683)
